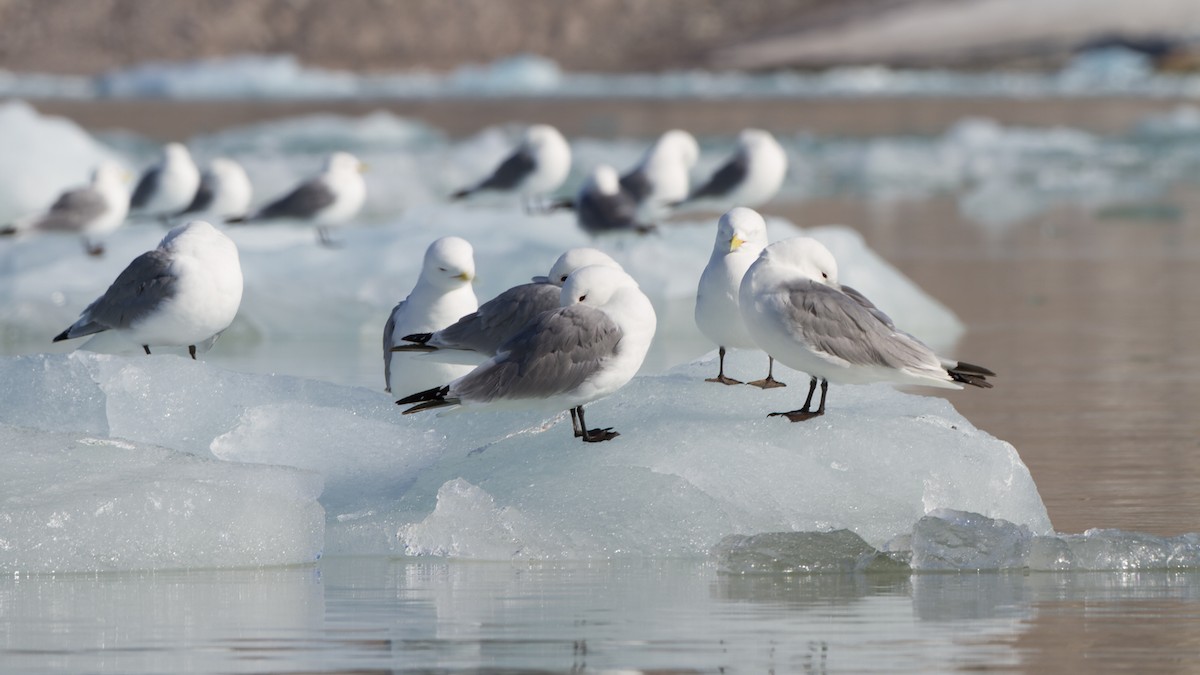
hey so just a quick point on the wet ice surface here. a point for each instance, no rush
(696, 462)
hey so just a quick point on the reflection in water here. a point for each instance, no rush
(380, 614)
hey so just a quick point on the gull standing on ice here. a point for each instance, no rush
(661, 178)
(328, 199)
(183, 293)
(741, 236)
(795, 309)
(90, 212)
(443, 294)
(483, 331)
(587, 349)
(751, 176)
(602, 207)
(536, 168)
(224, 191)
(167, 187)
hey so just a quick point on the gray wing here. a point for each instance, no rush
(511, 172)
(388, 343)
(72, 210)
(607, 213)
(637, 185)
(138, 291)
(550, 356)
(303, 202)
(869, 306)
(500, 318)
(205, 194)
(835, 323)
(725, 179)
(146, 187)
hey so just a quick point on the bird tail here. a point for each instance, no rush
(969, 373)
(642, 228)
(236, 220)
(461, 194)
(8, 230)
(425, 400)
(417, 343)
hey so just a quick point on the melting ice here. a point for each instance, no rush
(279, 469)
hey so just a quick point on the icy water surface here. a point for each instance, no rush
(388, 615)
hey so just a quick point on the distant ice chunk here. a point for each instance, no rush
(524, 74)
(79, 503)
(248, 76)
(42, 156)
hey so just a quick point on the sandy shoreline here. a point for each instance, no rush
(616, 117)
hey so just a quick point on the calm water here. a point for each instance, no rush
(1091, 323)
(378, 615)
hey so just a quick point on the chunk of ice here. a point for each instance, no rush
(74, 502)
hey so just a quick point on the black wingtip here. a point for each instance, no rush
(62, 336)
(236, 220)
(435, 394)
(964, 367)
(8, 230)
(461, 194)
(645, 229)
(419, 338)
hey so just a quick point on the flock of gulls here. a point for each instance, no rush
(559, 342)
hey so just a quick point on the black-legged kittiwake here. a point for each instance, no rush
(751, 176)
(442, 295)
(741, 236)
(566, 358)
(91, 212)
(224, 191)
(183, 293)
(795, 310)
(602, 207)
(534, 170)
(329, 199)
(167, 187)
(662, 177)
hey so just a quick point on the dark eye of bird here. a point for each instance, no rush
(564, 278)
(582, 298)
(442, 269)
(824, 275)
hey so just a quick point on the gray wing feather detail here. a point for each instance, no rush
(388, 343)
(869, 306)
(837, 324)
(72, 210)
(138, 291)
(510, 173)
(637, 185)
(303, 202)
(725, 179)
(204, 195)
(499, 319)
(553, 355)
(146, 187)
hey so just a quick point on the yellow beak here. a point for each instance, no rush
(363, 167)
(735, 243)
(465, 276)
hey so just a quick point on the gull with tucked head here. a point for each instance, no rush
(751, 176)
(662, 178)
(741, 236)
(442, 295)
(186, 292)
(602, 207)
(536, 168)
(329, 199)
(167, 187)
(91, 212)
(795, 309)
(224, 191)
(566, 358)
